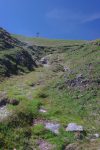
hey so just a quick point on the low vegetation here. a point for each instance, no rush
(68, 89)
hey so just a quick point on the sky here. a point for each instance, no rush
(56, 19)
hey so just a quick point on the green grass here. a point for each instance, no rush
(63, 104)
(48, 42)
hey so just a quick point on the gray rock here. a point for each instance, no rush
(44, 60)
(74, 127)
(3, 113)
(54, 127)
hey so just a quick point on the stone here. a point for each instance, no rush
(97, 135)
(42, 110)
(73, 127)
(3, 102)
(53, 127)
(94, 136)
(3, 112)
(44, 60)
(14, 102)
(44, 145)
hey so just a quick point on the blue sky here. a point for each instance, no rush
(59, 19)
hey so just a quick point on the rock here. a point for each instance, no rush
(77, 130)
(3, 113)
(42, 110)
(3, 102)
(54, 127)
(78, 82)
(73, 127)
(44, 145)
(13, 102)
(97, 135)
(44, 60)
(94, 136)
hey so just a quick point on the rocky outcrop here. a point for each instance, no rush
(78, 82)
(16, 63)
(15, 56)
(7, 41)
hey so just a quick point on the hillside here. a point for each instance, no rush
(14, 51)
(14, 55)
(46, 86)
(48, 42)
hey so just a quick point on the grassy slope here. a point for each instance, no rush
(64, 104)
(48, 42)
(15, 57)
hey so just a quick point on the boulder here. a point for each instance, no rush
(73, 127)
(53, 127)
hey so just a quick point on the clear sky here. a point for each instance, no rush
(62, 19)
